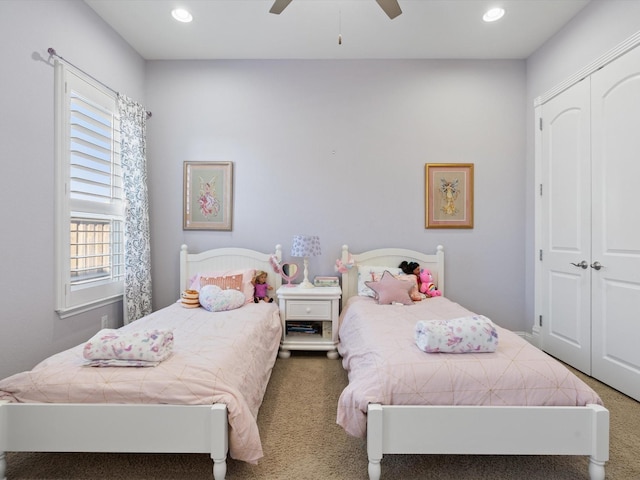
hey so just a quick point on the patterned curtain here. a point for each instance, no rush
(137, 256)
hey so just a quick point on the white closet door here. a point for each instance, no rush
(616, 223)
(566, 227)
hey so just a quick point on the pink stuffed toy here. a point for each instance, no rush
(426, 284)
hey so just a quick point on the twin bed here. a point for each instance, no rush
(203, 399)
(516, 400)
(401, 399)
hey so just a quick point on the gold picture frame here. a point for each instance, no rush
(448, 195)
(208, 196)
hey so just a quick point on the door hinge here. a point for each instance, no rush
(540, 318)
(540, 254)
(540, 189)
(540, 124)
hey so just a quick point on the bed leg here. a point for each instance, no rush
(375, 469)
(219, 440)
(600, 446)
(596, 469)
(219, 469)
(374, 440)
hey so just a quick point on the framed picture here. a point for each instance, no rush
(448, 195)
(208, 195)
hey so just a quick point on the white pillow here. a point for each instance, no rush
(371, 273)
(247, 277)
(214, 299)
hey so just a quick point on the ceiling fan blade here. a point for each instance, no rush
(278, 6)
(390, 7)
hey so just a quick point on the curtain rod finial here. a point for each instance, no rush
(51, 51)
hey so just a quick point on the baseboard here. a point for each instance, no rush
(533, 338)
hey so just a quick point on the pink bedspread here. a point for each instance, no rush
(222, 357)
(385, 366)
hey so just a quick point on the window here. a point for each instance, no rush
(89, 203)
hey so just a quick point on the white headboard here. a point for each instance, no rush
(228, 259)
(389, 257)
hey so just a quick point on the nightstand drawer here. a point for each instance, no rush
(312, 310)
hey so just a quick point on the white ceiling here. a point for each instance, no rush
(308, 29)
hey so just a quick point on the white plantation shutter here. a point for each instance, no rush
(96, 174)
(90, 207)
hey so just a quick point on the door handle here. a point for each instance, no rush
(583, 264)
(596, 266)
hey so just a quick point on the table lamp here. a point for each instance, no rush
(305, 246)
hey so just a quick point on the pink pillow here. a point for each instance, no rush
(228, 282)
(247, 276)
(372, 273)
(391, 290)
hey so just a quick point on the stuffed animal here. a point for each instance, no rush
(343, 267)
(426, 284)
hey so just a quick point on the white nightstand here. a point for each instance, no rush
(309, 319)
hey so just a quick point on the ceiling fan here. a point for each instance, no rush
(390, 7)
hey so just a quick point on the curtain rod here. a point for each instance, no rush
(52, 52)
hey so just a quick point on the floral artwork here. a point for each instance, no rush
(449, 195)
(449, 190)
(208, 195)
(208, 199)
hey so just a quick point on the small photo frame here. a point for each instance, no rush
(208, 196)
(448, 195)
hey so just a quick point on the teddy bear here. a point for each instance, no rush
(426, 284)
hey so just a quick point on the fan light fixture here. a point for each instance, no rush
(181, 15)
(493, 14)
(305, 246)
(390, 7)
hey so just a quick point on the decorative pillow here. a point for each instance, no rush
(189, 299)
(247, 276)
(412, 279)
(414, 293)
(391, 290)
(474, 334)
(228, 282)
(368, 273)
(214, 299)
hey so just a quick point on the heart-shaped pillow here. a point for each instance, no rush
(214, 299)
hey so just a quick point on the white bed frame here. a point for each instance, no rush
(36, 427)
(514, 430)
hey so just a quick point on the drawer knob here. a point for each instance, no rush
(308, 309)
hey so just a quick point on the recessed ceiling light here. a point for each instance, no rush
(181, 15)
(493, 14)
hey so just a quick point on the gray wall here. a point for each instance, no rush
(30, 329)
(337, 149)
(333, 148)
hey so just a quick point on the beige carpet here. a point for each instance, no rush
(302, 442)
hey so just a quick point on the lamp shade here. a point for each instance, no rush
(305, 246)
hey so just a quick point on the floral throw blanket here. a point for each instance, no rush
(141, 348)
(475, 334)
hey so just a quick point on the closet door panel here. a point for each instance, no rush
(615, 103)
(566, 227)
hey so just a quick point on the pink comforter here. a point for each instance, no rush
(385, 366)
(222, 357)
